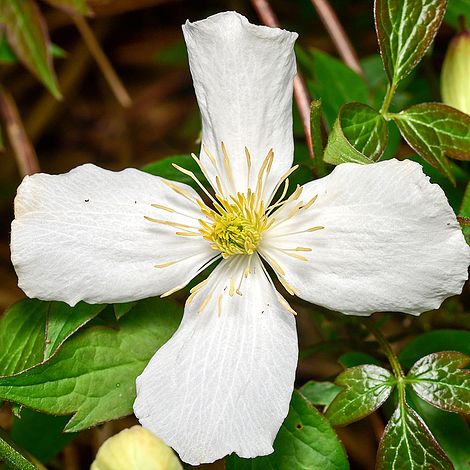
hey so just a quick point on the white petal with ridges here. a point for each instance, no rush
(223, 383)
(243, 77)
(83, 236)
(391, 241)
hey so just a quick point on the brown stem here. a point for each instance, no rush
(338, 35)
(301, 95)
(103, 63)
(24, 151)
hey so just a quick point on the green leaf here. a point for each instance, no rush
(365, 389)
(93, 375)
(13, 456)
(435, 341)
(7, 56)
(27, 35)
(357, 358)
(333, 82)
(436, 131)
(32, 330)
(440, 379)
(122, 309)
(360, 135)
(305, 441)
(71, 6)
(405, 29)
(450, 430)
(28, 432)
(165, 169)
(320, 393)
(407, 443)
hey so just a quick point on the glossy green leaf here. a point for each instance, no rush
(93, 375)
(360, 135)
(407, 443)
(32, 330)
(165, 169)
(332, 82)
(450, 430)
(305, 441)
(320, 393)
(28, 432)
(434, 341)
(71, 6)
(405, 29)
(365, 389)
(436, 131)
(441, 380)
(27, 36)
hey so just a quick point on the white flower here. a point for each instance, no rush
(363, 239)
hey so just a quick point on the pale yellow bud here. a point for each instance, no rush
(455, 76)
(135, 449)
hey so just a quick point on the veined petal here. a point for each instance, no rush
(390, 241)
(223, 382)
(83, 236)
(243, 76)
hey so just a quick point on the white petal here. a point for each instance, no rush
(391, 241)
(83, 236)
(243, 77)
(223, 383)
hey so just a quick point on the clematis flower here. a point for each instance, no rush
(366, 238)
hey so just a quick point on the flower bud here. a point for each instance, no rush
(455, 75)
(135, 449)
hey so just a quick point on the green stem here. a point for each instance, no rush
(386, 348)
(12, 455)
(391, 88)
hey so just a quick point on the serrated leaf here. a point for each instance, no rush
(320, 393)
(450, 430)
(440, 379)
(365, 389)
(305, 441)
(165, 169)
(71, 6)
(360, 135)
(27, 35)
(434, 341)
(405, 29)
(93, 375)
(436, 131)
(32, 330)
(407, 444)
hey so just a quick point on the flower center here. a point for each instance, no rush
(237, 225)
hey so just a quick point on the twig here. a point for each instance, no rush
(26, 157)
(301, 95)
(338, 35)
(103, 63)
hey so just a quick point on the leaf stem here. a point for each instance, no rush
(103, 63)
(386, 348)
(391, 88)
(12, 455)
